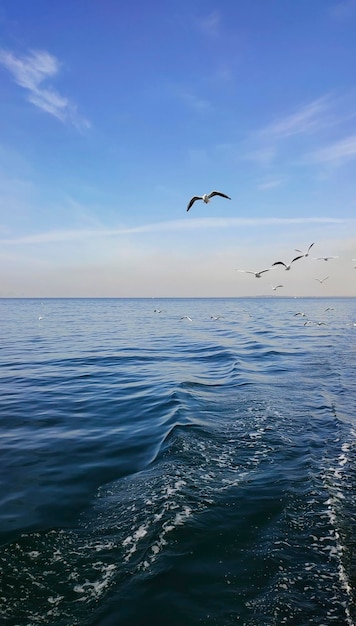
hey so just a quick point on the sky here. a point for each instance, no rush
(114, 114)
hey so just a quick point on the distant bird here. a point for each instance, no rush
(276, 287)
(158, 310)
(287, 267)
(307, 252)
(300, 313)
(324, 258)
(256, 274)
(321, 280)
(216, 317)
(330, 308)
(206, 198)
(186, 317)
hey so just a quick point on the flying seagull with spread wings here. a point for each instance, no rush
(324, 258)
(287, 267)
(256, 274)
(206, 197)
(321, 280)
(276, 287)
(307, 252)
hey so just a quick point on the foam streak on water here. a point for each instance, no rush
(195, 472)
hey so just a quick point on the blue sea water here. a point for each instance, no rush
(159, 470)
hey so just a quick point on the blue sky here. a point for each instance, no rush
(114, 114)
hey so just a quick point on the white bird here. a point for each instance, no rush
(216, 317)
(321, 280)
(186, 317)
(206, 197)
(324, 258)
(256, 274)
(300, 313)
(307, 252)
(330, 308)
(287, 267)
(276, 287)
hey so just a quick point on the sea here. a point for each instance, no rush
(178, 462)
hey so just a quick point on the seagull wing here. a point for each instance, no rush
(218, 193)
(262, 271)
(191, 202)
(279, 263)
(297, 257)
(311, 245)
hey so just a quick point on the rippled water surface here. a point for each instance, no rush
(159, 470)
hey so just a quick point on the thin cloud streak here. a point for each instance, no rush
(344, 10)
(30, 72)
(306, 119)
(270, 184)
(343, 150)
(211, 25)
(172, 226)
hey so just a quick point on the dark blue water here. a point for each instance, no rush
(157, 470)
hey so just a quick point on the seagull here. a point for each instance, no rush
(324, 258)
(307, 252)
(256, 274)
(216, 317)
(206, 197)
(158, 310)
(330, 308)
(276, 287)
(321, 280)
(300, 313)
(287, 267)
(186, 317)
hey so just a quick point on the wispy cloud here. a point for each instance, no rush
(211, 24)
(263, 156)
(264, 145)
(194, 102)
(60, 236)
(306, 119)
(270, 184)
(336, 153)
(343, 10)
(30, 72)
